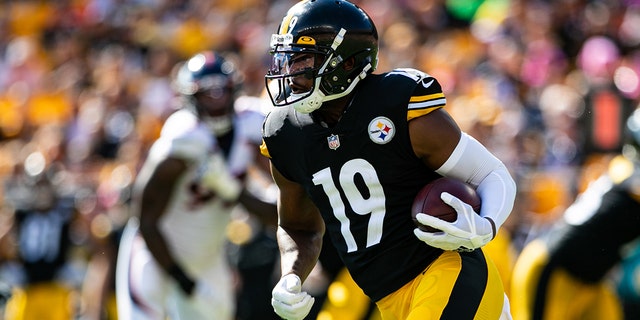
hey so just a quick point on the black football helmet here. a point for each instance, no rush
(209, 82)
(329, 34)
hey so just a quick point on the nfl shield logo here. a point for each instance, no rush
(333, 141)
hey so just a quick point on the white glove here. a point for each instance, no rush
(469, 232)
(219, 179)
(288, 301)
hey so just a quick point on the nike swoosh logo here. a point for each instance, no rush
(428, 84)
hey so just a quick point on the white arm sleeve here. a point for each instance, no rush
(471, 162)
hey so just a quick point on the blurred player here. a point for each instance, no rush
(565, 273)
(172, 259)
(43, 276)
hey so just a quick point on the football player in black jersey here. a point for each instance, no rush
(42, 228)
(566, 272)
(350, 149)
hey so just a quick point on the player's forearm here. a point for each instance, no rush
(151, 211)
(299, 251)
(160, 251)
(497, 191)
(157, 245)
(471, 162)
(266, 211)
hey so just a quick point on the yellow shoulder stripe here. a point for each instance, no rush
(426, 97)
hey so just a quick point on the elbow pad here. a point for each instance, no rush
(472, 163)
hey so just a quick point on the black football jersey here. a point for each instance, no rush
(363, 175)
(44, 241)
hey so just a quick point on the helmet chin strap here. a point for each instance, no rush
(317, 97)
(310, 103)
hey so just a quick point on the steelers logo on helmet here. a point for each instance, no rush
(306, 40)
(381, 130)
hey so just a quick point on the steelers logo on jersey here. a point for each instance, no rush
(381, 130)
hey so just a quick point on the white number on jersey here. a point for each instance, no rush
(374, 205)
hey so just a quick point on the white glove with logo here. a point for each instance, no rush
(219, 179)
(288, 300)
(469, 232)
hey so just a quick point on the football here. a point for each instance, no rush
(428, 200)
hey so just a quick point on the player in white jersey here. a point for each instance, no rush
(172, 261)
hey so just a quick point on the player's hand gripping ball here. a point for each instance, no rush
(428, 200)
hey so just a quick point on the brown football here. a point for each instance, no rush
(428, 200)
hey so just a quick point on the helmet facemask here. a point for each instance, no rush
(214, 105)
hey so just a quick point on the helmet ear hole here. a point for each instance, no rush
(349, 64)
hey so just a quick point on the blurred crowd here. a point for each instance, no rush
(85, 86)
